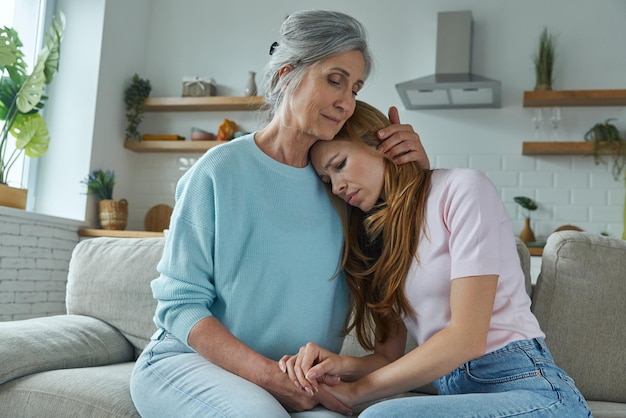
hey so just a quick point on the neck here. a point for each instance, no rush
(284, 145)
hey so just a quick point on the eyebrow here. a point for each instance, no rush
(330, 161)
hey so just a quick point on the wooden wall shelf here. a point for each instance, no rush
(88, 232)
(554, 98)
(171, 146)
(202, 104)
(561, 148)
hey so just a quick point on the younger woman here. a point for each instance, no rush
(446, 271)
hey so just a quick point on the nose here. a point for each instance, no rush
(338, 187)
(347, 102)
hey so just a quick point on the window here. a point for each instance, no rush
(18, 14)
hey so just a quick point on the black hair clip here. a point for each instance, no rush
(273, 47)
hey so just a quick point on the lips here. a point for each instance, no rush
(350, 198)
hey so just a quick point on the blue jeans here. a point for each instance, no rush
(172, 380)
(519, 380)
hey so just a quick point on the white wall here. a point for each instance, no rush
(165, 40)
(70, 113)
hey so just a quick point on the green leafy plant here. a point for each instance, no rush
(606, 137)
(100, 183)
(544, 59)
(526, 203)
(134, 97)
(21, 94)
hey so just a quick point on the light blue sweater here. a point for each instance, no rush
(256, 244)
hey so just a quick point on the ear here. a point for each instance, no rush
(285, 70)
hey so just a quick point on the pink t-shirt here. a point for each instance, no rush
(468, 233)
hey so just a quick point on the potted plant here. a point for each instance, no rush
(134, 97)
(21, 96)
(527, 235)
(544, 59)
(113, 214)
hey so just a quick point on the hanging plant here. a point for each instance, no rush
(544, 61)
(134, 97)
(607, 139)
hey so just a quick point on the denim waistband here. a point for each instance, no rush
(534, 343)
(535, 348)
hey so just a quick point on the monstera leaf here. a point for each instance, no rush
(32, 136)
(8, 48)
(46, 66)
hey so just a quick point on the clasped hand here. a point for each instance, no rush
(315, 368)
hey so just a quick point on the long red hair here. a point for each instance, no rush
(382, 244)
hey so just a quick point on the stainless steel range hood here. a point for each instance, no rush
(453, 86)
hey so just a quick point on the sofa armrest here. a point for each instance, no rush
(59, 342)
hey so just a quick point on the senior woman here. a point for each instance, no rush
(250, 269)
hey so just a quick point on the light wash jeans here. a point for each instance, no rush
(171, 380)
(519, 380)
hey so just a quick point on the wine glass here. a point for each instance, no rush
(556, 120)
(537, 120)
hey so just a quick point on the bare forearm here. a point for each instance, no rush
(465, 338)
(215, 343)
(355, 368)
(441, 354)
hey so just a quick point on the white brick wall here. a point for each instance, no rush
(34, 259)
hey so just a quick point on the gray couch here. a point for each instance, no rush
(78, 365)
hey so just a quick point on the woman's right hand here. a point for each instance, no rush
(311, 366)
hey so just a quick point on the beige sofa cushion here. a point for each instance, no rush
(580, 302)
(63, 341)
(109, 279)
(94, 392)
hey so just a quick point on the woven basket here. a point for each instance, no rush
(198, 88)
(113, 214)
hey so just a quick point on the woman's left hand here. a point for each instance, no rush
(401, 142)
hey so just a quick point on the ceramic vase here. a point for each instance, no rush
(113, 214)
(250, 89)
(527, 235)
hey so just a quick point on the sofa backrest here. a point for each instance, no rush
(109, 279)
(580, 302)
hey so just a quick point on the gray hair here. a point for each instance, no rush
(307, 37)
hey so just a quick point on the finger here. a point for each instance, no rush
(303, 383)
(282, 363)
(330, 380)
(394, 115)
(406, 157)
(400, 143)
(291, 372)
(319, 370)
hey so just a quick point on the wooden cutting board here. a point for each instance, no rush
(158, 218)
